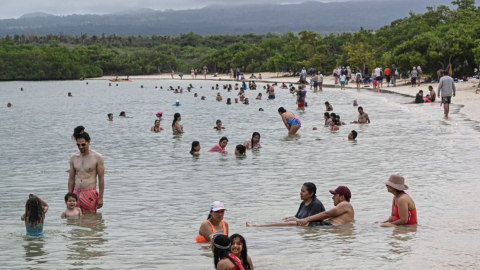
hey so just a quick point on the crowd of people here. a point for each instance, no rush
(87, 171)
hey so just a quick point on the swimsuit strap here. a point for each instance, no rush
(224, 228)
(211, 225)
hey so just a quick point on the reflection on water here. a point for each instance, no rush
(34, 250)
(87, 241)
(157, 194)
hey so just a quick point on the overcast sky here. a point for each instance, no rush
(15, 9)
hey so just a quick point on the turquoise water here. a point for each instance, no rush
(157, 195)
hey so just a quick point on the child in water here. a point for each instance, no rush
(34, 216)
(72, 210)
(355, 103)
(238, 247)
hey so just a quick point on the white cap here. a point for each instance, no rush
(177, 101)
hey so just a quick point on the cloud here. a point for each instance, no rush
(15, 9)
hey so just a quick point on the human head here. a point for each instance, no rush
(229, 101)
(177, 102)
(343, 195)
(176, 117)
(236, 100)
(240, 150)
(245, 101)
(122, 113)
(195, 147)
(397, 183)
(360, 109)
(326, 115)
(281, 110)
(82, 138)
(9, 104)
(34, 210)
(156, 123)
(110, 116)
(221, 248)
(327, 103)
(223, 142)
(70, 195)
(445, 72)
(219, 123)
(238, 246)
(218, 208)
(430, 88)
(310, 188)
(159, 114)
(255, 138)
(352, 136)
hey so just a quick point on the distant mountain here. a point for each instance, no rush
(36, 14)
(222, 19)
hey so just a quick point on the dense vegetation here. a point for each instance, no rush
(433, 40)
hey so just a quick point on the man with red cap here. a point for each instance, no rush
(342, 212)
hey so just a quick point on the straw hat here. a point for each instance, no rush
(396, 181)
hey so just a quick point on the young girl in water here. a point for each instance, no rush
(34, 216)
(222, 257)
(238, 246)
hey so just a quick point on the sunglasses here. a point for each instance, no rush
(81, 144)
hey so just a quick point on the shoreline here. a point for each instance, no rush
(465, 96)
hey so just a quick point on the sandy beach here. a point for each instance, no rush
(466, 95)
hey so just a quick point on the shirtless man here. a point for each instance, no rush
(342, 212)
(271, 92)
(362, 117)
(85, 166)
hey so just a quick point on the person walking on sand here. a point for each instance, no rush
(85, 166)
(172, 74)
(446, 89)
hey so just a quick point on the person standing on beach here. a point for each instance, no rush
(173, 73)
(320, 81)
(446, 88)
(85, 166)
(205, 72)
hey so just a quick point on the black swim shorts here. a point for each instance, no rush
(447, 100)
(319, 223)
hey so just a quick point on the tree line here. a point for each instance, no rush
(437, 39)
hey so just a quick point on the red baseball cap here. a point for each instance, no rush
(342, 190)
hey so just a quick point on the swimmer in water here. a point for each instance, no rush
(246, 102)
(176, 127)
(195, 95)
(254, 142)
(123, 114)
(355, 103)
(362, 117)
(156, 126)
(159, 115)
(271, 92)
(220, 147)
(327, 118)
(333, 126)
(219, 125)
(291, 122)
(177, 103)
(352, 136)
(259, 97)
(310, 205)
(70, 94)
(213, 224)
(219, 97)
(240, 150)
(229, 101)
(328, 107)
(195, 151)
(236, 100)
(9, 104)
(110, 116)
(238, 246)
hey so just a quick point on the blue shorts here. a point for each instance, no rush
(447, 100)
(319, 223)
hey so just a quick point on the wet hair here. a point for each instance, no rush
(311, 188)
(354, 133)
(223, 139)
(158, 120)
(326, 103)
(195, 144)
(430, 87)
(281, 110)
(34, 214)
(219, 253)
(327, 114)
(253, 135)
(108, 115)
(175, 118)
(243, 254)
(360, 108)
(241, 149)
(122, 113)
(229, 101)
(71, 194)
(79, 133)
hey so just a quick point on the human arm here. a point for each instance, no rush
(205, 230)
(367, 119)
(71, 176)
(298, 96)
(246, 144)
(101, 180)
(178, 127)
(250, 262)
(284, 119)
(80, 214)
(63, 215)
(23, 216)
(334, 212)
(152, 128)
(44, 204)
(453, 88)
(402, 212)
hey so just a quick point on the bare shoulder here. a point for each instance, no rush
(97, 155)
(74, 155)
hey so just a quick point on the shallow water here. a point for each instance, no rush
(157, 195)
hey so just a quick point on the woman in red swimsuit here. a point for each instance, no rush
(404, 211)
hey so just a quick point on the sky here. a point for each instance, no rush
(14, 9)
